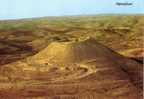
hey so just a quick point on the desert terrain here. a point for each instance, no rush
(72, 57)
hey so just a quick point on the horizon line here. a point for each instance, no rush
(55, 16)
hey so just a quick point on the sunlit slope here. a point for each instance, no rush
(84, 69)
(67, 54)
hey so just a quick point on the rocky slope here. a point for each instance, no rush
(74, 70)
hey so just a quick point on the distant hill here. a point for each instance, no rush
(119, 32)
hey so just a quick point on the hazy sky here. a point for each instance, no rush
(13, 9)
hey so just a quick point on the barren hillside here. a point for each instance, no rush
(77, 57)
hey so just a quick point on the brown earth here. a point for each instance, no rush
(73, 70)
